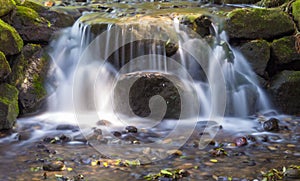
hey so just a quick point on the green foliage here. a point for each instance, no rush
(167, 173)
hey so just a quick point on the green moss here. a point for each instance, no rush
(6, 6)
(38, 86)
(38, 7)
(296, 12)
(284, 50)
(29, 16)
(10, 41)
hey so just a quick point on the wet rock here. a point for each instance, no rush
(35, 5)
(58, 19)
(54, 166)
(257, 52)
(131, 129)
(271, 125)
(6, 6)
(30, 25)
(201, 24)
(67, 127)
(271, 3)
(285, 91)
(147, 89)
(117, 134)
(9, 109)
(4, 67)
(292, 173)
(103, 123)
(10, 41)
(269, 23)
(241, 141)
(29, 72)
(284, 51)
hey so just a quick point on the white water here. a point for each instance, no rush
(83, 82)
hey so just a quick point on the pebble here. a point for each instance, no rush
(271, 125)
(117, 133)
(54, 166)
(293, 173)
(241, 141)
(131, 129)
(103, 123)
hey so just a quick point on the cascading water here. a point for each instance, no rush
(86, 69)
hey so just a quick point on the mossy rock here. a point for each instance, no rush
(286, 92)
(30, 25)
(257, 52)
(28, 75)
(255, 23)
(38, 7)
(4, 67)
(284, 50)
(271, 3)
(6, 6)
(8, 106)
(296, 12)
(10, 41)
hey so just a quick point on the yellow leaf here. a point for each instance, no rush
(213, 160)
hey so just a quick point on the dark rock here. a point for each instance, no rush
(10, 41)
(146, 87)
(4, 67)
(58, 19)
(271, 3)
(117, 134)
(240, 141)
(30, 25)
(131, 129)
(29, 72)
(240, 1)
(54, 166)
(257, 52)
(201, 24)
(256, 23)
(6, 6)
(285, 91)
(284, 50)
(66, 127)
(271, 125)
(8, 106)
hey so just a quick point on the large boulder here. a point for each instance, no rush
(28, 75)
(284, 50)
(30, 25)
(134, 92)
(10, 41)
(257, 52)
(8, 106)
(286, 92)
(4, 67)
(6, 6)
(296, 12)
(256, 23)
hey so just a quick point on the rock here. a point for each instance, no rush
(54, 166)
(285, 91)
(29, 72)
(257, 52)
(293, 173)
(131, 129)
(30, 25)
(284, 50)
(240, 1)
(271, 3)
(296, 12)
(10, 41)
(58, 19)
(240, 141)
(271, 125)
(256, 23)
(4, 67)
(143, 91)
(6, 6)
(201, 24)
(8, 106)
(35, 5)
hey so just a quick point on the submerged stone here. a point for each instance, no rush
(271, 125)
(8, 106)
